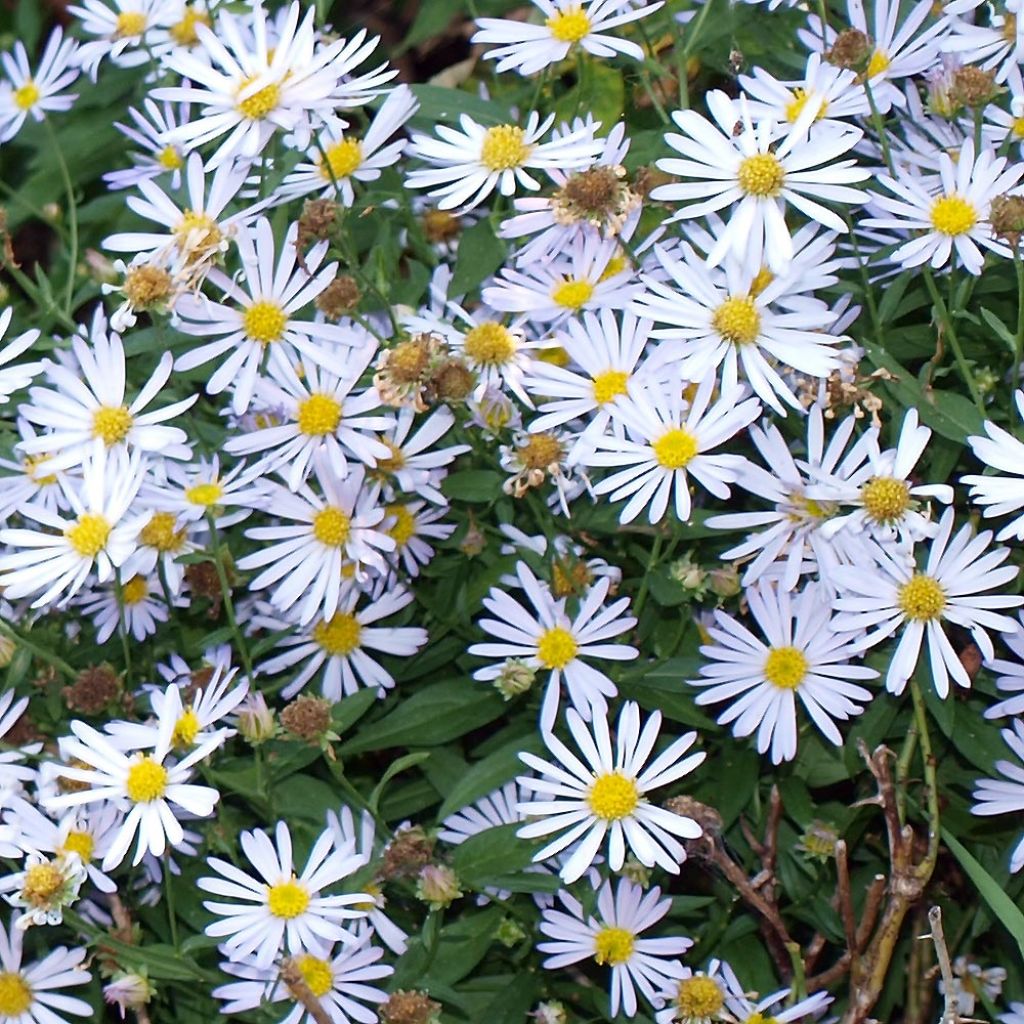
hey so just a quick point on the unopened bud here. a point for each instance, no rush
(819, 841)
(437, 886)
(409, 1007)
(515, 678)
(128, 992)
(255, 719)
(510, 932)
(724, 581)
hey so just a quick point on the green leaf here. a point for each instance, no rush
(481, 252)
(600, 91)
(1000, 330)
(991, 891)
(473, 485)
(433, 18)
(495, 851)
(395, 768)
(440, 104)
(488, 774)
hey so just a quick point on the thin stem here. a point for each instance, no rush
(172, 917)
(954, 341)
(122, 626)
(44, 304)
(225, 590)
(39, 652)
(924, 869)
(876, 120)
(69, 291)
(1018, 266)
(823, 14)
(641, 596)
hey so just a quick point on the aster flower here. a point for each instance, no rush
(24, 93)
(606, 794)
(998, 44)
(20, 375)
(12, 772)
(279, 909)
(134, 606)
(154, 157)
(697, 997)
(1005, 795)
(121, 31)
(527, 47)
(1001, 494)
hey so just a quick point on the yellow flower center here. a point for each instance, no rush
(572, 294)
(796, 105)
(264, 322)
(42, 883)
(879, 62)
(81, 843)
(613, 946)
(331, 526)
(319, 415)
(111, 423)
(343, 158)
(339, 635)
(404, 527)
(613, 796)
(737, 320)
(760, 1018)
(503, 148)
(198, 225)
(160, 533)
(541, 451)
(556, 647)
(675, 448)
(395, 462)
(698, 996)
(953, 215)
(287, 899)
(922, 598)
(609, 384)
(761, 175)
(29, 465)
(316, 973)
(170, 159)
(135, 590)
(570, 577)
(15, 995)
(785, 667)
(569, 26)
(1017, 128)
(885, 499)
(130, 23)
(184, 32)
(147, 781)
(616, 265)
(490, 344)
(206, 494)
(27, 96)
(260, 103)
(89, 534)
(186, 729)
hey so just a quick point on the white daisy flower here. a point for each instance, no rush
(147, 785)
(266, 312)
(998, 44)
(338, 525)
(468, 165)
(724, 320)
(340, 157)
(697, 997)
(190, 492)
(43, 888)
(952, 216)
(1005, 795)
(154, 157)
(527, 47)
(137, 608)
(611, 937)
(340, 645)
(12, 772)
(25, 93)
(162, 538)
(30, 993)
(498, 808)
(606, 794)
(892, 594)
(410, 524)
(758, 173)
(742, 1007)
(999, 495)
(802, 656)
(100, 536)
(667, 442)
(20, 375)
(549, 640)
(86, 409)
(122, 31)
(29, 485)
(279, 910)
(1009, 676)
(338, 981)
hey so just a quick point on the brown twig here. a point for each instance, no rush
(845, 899)
(291, 975)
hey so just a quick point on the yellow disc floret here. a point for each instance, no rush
(264, 321)
(698, 996)
(331, 526)
(339, 635)
(15, 995)
(111, 423)
(785, 667)
(186, 729)
(287, 899)
(490, 344)
(761, 175)
(885, 499)
(609, 384)
(130, 23)
(135, 590)
(170, 159)
(89, 535)
(569, 25)
(343, 158)
(879, 62)
(737, 320)
(572, 293)
(81, 843)
(503, 148)
(147, 781)
(319, 415)
(613, 946)
(205, 494)
(613, 796)
(42, 882)
(922, 598)
(26, 96)
(316, 973)
(403, 529)
(556, 647)
(953, 215)
(160, 532)
(675, 448)
(260, 103)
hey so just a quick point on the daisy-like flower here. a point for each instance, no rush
(697, 997)
(759, 173)
(148, 785)
(320, 414)
(741, 1006)
(492, 811)
(340, 645)
(44, 888)
(338, 981)
(953, 587)
(190, 493)
(667, 442)
(998, 44)
(86, 409)
(155, 157)
(999, 495)
(250, 87)
(100, 536)
(279, 909)
(30, 993)
(12, 772)
(25, 93)
(162, 538)
(606, 794)
(137, 607)
(835, 92)
(265, 313)
(340, 157)
(20, 375)
(1009, 676)
(724, 320)
(611, 937)
(410, 525)
(548, 639)
(1005, 795)
(953, 215)
(328, 529)
(468, 165)
(802, 656)
(121, 31)
(527, 47)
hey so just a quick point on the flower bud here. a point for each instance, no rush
(438, 886)
(515, 678)
(255, 719)
(128, 992)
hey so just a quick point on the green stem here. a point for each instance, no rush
(69, 291)
(1018, 266)
(43, 304)
(172, 917)
(925, 868)
(38, 652)
(122, 627)
(641, 596)
(225, 590)
(876, 120)
(954, 341)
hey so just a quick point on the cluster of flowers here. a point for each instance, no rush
(611, 359)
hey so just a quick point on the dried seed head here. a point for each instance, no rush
(406, 1006)
(147, 287)
(1006, 215)
(309, 718)
(93, 690)
(339, 297)
(453, 381)
(852, 49)
(410, 850)
(973, 87)
(440, 226)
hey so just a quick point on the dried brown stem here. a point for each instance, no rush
(292, 976)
